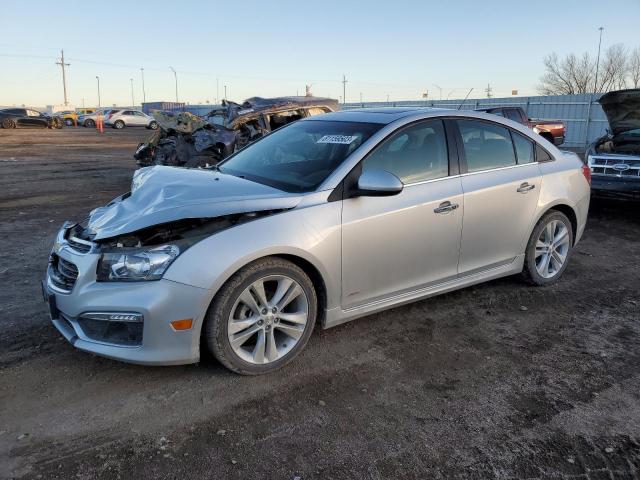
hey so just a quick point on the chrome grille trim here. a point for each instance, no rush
(62, 274)
(79, 245)
(604, 165)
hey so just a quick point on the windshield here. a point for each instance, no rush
(300, 156)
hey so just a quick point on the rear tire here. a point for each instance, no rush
(549, 249)
(279, 331)
(118, 124)
(68, 122)
(8, 123)
(89, 123)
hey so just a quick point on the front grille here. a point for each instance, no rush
(604, 166)
(62, 273)
(78, 245)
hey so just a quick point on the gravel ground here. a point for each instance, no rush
(500, 380)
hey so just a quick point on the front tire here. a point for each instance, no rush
(262, 318)
(89, 123)
(118, 125)
(68, 122)
(153, 126)
(549, 249)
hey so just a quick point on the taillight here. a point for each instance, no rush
(586, 171)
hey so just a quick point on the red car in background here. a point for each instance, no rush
(552, 130)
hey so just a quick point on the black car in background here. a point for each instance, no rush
(27, 118)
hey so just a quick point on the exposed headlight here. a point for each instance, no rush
(135, 265)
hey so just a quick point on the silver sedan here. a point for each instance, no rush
(323, 221)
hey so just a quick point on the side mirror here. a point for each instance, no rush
(378, 183)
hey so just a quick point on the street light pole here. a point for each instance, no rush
(98, 79)
(175, 75)
(439, 88)
(133, 103)
(144, 94)
(595, 87)
(225, 92)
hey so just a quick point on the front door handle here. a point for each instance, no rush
(446, 207)
(525, 187)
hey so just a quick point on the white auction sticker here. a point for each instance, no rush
(341, 139)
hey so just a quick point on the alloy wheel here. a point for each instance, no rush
(552, 248)
(268, 319)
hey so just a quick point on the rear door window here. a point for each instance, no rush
(486, 145)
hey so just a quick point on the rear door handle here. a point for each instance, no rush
(525, 187)
(446, 207)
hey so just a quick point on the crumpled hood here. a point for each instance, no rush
(622, 109)
(164, 194)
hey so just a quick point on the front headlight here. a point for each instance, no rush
(135, 265)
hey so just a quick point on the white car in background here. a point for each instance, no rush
(120, 118)
(89, 120)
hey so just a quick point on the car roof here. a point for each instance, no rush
(384, 115)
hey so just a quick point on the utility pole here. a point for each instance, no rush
(361, 104)
(387, 98)
(64, 77)
(225, 92)
(98, 79)
(344, 89)
(144, 94)
(488, 90)
(217, 91)
(133, 103)
(175, 76)
(595, 87)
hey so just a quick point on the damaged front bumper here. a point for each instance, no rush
(128, 321)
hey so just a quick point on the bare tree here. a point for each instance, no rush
(573, 74)
(634, 67)
(566, 76)
(613, 70)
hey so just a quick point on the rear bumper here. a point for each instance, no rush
(616, 187)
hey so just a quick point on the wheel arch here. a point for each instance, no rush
(307, 265)
(564, 208)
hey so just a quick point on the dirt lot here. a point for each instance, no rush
(496, 381)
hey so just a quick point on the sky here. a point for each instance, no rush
(395, 50)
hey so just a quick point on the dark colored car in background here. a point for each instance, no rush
(186, 140)
(614, 159)
(552, 130)
(27, 118)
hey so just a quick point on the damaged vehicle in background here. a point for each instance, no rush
(186, 140)
(614, 159)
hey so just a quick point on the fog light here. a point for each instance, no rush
(184, 324)
(117, 328)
